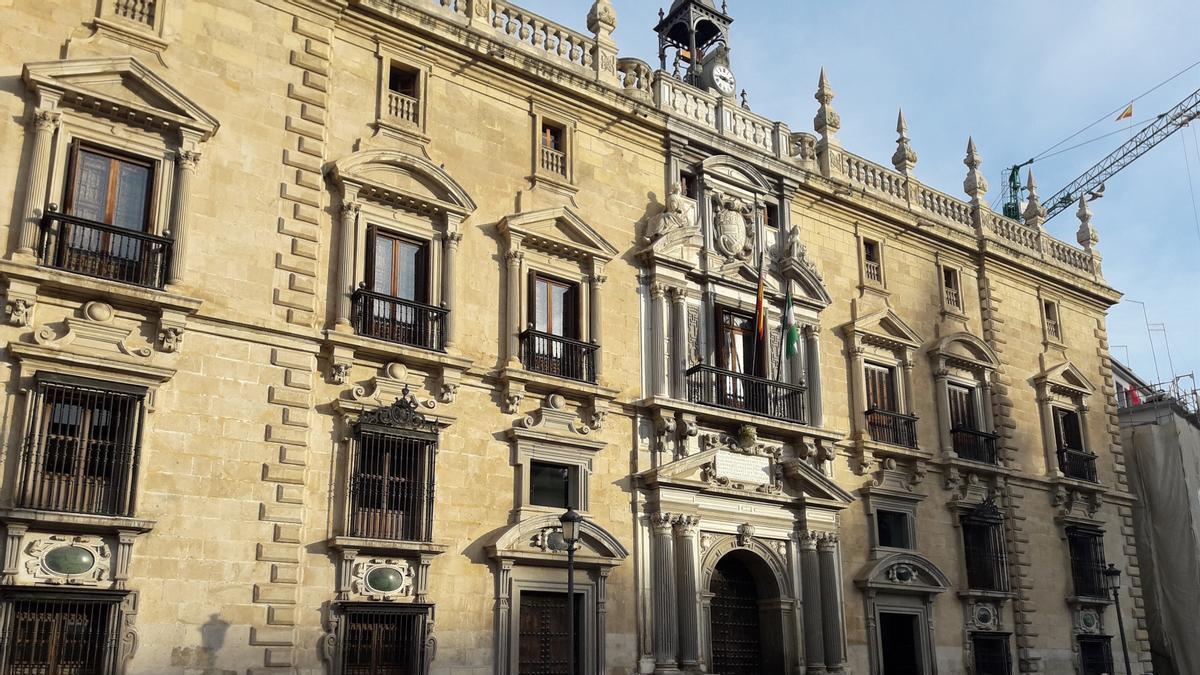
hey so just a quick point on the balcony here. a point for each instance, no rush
(734, 391)
(402, 107)
(874, 272)
(384, 317)
(893, 428)
(558, 356)
(554, 161)
(1077, 464)
(104, 251)
(953, 298)
(977, 446)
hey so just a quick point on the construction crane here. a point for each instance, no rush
(1091, 183)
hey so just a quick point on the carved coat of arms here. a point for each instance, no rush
(734, 233)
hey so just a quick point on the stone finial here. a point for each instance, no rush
(976, 186)
(602, 19)
(905, 158)
(1035, 213)
(1086, 235)
(827, 121)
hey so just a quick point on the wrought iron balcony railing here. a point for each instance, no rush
(735, 391)
(559, 356)
(1077, 464)
(977, 446)
(892, 428)
(384, 317)
(98, 250)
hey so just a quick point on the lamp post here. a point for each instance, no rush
(571, 522)
(1112, 576)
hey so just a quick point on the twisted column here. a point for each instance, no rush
(686, 561)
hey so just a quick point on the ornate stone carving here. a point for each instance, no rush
(402, 414)
(984, 615)
(512, 402)
(1035, 213)
(734, 235)
(693, 337)
(905, 157)
(827, 121)
(382, 579)
(448, 393)
(69, 561)
(339, 373)
(745, 534)
(554, 416)
(975, 185)
(677, 214)
(171, 339)
(20, 312)
(903, 573)
(1075, 503)
(94, 331)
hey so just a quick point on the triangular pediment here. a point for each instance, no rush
(814, 483)
(1066, 376)
(886, 327)
(123, 88)
(558, 231)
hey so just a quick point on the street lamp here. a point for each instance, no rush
(1112, 576)
(571, 522)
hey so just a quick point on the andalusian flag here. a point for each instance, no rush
(1126, 113)
(791, 338)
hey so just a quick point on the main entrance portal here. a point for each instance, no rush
(737, 636)
(898, 638)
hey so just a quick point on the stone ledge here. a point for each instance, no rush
(54, 520)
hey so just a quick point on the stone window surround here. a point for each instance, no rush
(577, 454)
(388, 55)
(974, 372)
(334, 637)
(151, 37)
(875, 501)
(916, 597)
(863, 280)
(1048, 338)
(958, 311)
(542, 113)
(866, 341)
(120, 646)
(1053, 390)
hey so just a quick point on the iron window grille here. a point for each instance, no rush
(983, 544)
(384, 639)
(1087, 562)
(1095, 655)
(992, 656)
(81, 447)
(392, 474)
(51, 633)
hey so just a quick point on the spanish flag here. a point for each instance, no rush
(761, 356)
(1126, 113)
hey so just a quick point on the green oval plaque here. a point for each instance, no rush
(70, 560)
(385, 579)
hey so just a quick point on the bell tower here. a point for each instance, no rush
(698, 32)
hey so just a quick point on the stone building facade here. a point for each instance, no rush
(320, 312)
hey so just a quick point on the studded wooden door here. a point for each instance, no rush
(736, 644)
(543, 639)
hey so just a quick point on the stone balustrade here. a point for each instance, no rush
(556, 42)
(636, 76)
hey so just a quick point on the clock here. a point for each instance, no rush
(723, 80)
(716, 73)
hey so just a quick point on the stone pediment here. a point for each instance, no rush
(401, 179)
(1066, 378)
(884, 327)
(738, 172)
(124, 88)
(538, 541)
(814, 483)
(558, 231)
(965, 350)
(754, 473)
(906, 573)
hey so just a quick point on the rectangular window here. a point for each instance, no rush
(399, 267)
(1050, 312)
(1095, 655)
(992, 655)
(986, 558)
(951, 289)
(735, 341)
(550, 485)
(1067, 431)
(1087, 562)
(554, 148)
(391, 486)
(403, 93)
(556, 307)
(394, 303)
(881, 388)
(552, 345)
(772, 216)
(109, 188)
(872, 261)
(383, 640)
(59, 635)
(962, 408)
(892, 529)
(81, 448)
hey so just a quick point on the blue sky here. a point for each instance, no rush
(1019, 75)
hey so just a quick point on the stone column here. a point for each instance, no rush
(941, 391)
(910, 397)
(597, 316)
(44, 123)
(664, 602)
(658, 340)
(814, 616)
(346, 256)
(812, 352)
(831, 606)
(858, 385)
(678, 315)
(13, 533)
(686, 564)
(449, 275)
(186, 162)
(515, 261)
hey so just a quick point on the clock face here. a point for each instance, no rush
(723, 79)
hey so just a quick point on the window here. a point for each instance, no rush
(1095, 655)
(551, 345)
(735, 341)
(551, 485)
(1087, 562)
(772, 216)
(885, 422)
(391, 485)
(970, 440)
(105, 229)
(952, 292)
(59, 635)
(556, 307)
(383, 640)
(81, 448)
(1050, 314)
(992, 656)
(881, 388)
(986, 559)
(892, 529)
(403, 93)
(1073, 459)
(872, 261)
(393, 305)
(554, 149)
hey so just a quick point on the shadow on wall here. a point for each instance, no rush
(212, 640)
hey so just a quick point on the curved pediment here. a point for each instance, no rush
(533, 541)
(737, 171)
(885, 327)
(124, 89)
(395, 177)
(904, 573)
(1066, 378)
(558, 231)
(966, 350)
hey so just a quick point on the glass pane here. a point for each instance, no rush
(408, 271)
(542, 300)
(558, 309)
(549, 485)
(91, 187)
(382, 283)
(133, 188)
(892, 529)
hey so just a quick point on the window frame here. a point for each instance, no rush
(865, 246)
(545, 116)
(884, 499)
(426, 460)
(424, 613)
(722, 353)
(907, 528)
(1105, 642)
(996, 561)
(422, 276)
(946, 272)
(390, 57)
(1095, 544)
(571, 478)
(70, 185)
(1052, 327)
(1006, 638)
(573, 319)
(114, 647)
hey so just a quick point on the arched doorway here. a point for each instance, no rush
(746, 635)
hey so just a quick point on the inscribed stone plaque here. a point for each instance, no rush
(744, 468)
